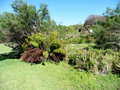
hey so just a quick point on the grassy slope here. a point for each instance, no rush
(18, 75)
(4, 49)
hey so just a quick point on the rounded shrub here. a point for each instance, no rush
(54, 45)
(60, 51)
(36, 40)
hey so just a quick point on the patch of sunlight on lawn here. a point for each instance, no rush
(4, 49)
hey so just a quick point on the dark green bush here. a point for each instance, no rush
(107, 33)
(54, 46)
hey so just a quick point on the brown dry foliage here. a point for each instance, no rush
(33, 56)
(92, 19)
(57, 57)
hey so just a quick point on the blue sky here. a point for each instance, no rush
(67, 12)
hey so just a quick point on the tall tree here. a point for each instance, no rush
(46, 24)
(108, 32)
(27, 15)
(25, 21)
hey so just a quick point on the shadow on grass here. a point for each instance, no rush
(10, 55)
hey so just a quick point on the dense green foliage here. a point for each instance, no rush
(107, 33)
(94, 60)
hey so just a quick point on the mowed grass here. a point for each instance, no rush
(4, 49)
(18, 75)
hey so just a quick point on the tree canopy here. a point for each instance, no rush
(25, 21)
(108, 31)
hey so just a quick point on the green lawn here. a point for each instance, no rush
(18, 75)
(4, 49)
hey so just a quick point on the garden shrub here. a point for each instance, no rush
(36, 40)
(54, 42)
(60, 51)
(54, 46)
(33, 56)
(58, 55)
(95, 61)
(49, 43)
(53, 37)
